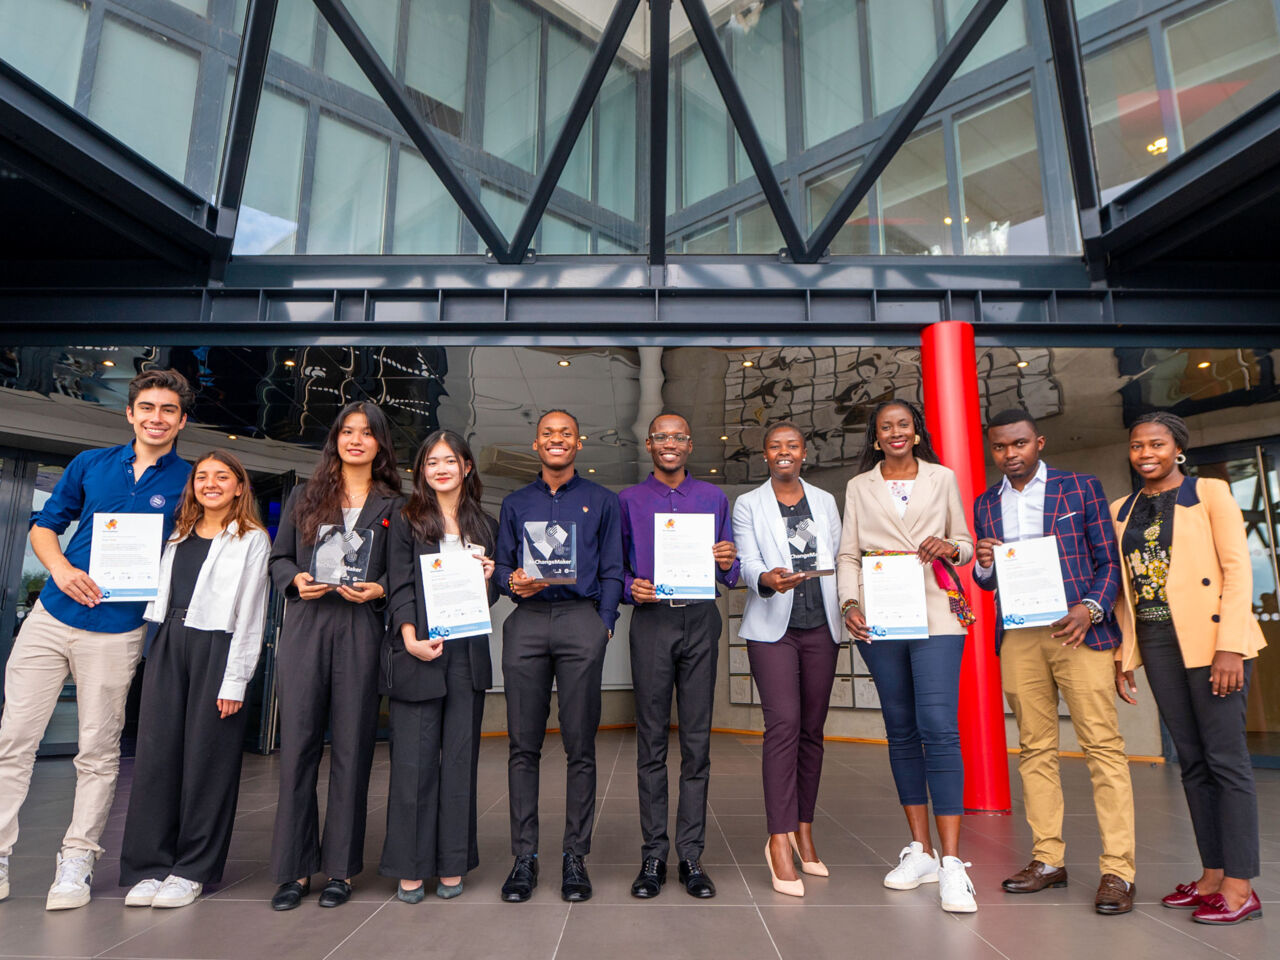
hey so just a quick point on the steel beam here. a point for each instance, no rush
(904, 123)
(659, 92)
(736, 104)
(579, 111)
(392, 93)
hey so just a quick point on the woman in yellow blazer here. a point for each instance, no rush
(1187, 615)
(903, 501)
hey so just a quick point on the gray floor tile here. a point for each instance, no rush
(645, 931)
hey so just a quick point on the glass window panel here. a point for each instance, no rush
(903, 47)
(606, 245)
(426, 219)
(855, 237)
(567, 61)
(195, 6)
(704, 132)
(377, 18)
(1086, 7)
(1129, 138)
(436, 56)
(1007, 33)
(913, 198)
(758, 232)
(130, 101)
(44, 39)
(617, 171)
(561, 236)
(1225, 60)
(832, 69)
(1000, 173)
(757, 66)
(269, 214)
(712, 240)
(505, 210)
(511, 84)
(348, 190)
(294, 32)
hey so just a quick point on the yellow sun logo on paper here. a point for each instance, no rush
(437, 564)
(671, 523)
(1010, 553)
(111, 524)
(877, 566)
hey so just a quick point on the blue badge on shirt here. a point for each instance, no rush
(157, 501)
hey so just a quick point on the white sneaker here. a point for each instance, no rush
(4, 878)
(176, 892)
(143, 892)
(914, 868)
(954, 888)
(71, 882)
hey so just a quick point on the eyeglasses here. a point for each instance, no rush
(680, 438)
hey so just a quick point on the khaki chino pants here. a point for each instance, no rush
(102, 666)
(1034, 669)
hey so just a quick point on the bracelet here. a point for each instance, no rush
(847, 606)
(511, 581)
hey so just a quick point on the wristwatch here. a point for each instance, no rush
(1096, 614)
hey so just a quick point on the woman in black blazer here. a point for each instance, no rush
(436, 687)
(327, 657)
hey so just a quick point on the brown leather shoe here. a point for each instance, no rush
(1114, 895)
(1034, 877)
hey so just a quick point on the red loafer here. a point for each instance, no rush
(1213, 909)
(1185, 896)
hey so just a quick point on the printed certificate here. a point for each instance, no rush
(124, 557)
(893, 594)
(549, 551)
(456, 594)
(1029, 576)
(684, 566)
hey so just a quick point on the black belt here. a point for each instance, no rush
(682, 603)
(178, 614)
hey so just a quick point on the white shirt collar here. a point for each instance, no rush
(1042, 475)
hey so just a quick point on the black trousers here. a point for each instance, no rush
(431, 802)
(186, 774)
(1209, 734)
(326, 677)
(674, 648)
(541, 642)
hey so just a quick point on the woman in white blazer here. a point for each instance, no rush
(792, 627)
(211, 605)
(903, 502)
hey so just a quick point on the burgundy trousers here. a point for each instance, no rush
(794, 675)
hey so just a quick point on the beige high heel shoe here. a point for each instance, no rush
(792, 888)
(815, 868)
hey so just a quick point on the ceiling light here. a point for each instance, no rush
(748, 363)
(724, 436)
(582, 436)
(966, 219)
(108, 363)
(232, 436)
(1022, 363)
(291, 363)
(947, 221)
(1157, 147)
(591, 469)
(1203, 364)
(562, 363)
(713, 470)
(408, 470)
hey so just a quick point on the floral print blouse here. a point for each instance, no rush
(1148, 539)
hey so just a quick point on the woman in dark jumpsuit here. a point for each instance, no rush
(327, 658)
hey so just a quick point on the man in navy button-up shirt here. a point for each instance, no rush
(557, 632)
(674, 643)
(71, 630)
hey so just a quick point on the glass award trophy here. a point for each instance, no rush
(549, 551)
(341, 556)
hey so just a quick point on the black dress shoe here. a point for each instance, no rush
(575, 885)
(335, 893)
(649, 881)
(521, 880)
(695, 880)
(289, 895)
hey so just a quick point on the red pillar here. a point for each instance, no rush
(949, 367)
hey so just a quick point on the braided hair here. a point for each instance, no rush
(1176, 426)
(871, 455)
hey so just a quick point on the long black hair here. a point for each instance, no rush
(423, 509)
(321, 499)
(871, 454)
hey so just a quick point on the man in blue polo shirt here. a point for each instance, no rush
(557, 632)
(71, 630)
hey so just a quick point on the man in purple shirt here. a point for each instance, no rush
(673, 642)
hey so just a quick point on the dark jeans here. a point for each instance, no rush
(794, 675)
(674, 648)
(919, 686)
(1209, 734)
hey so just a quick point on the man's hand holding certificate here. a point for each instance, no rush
(457, 598)
(1030, 578)
(124, 558)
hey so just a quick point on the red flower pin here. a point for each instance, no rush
(386, 522)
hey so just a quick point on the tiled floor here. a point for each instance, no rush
(859, 831)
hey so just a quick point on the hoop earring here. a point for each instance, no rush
(1180, 458)
(917, 443)
(876, 444)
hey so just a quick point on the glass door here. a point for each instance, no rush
(1251, 470)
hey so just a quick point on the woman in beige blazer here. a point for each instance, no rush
(1187, 615)
(904, 501)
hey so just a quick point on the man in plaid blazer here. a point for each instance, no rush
(1073, 657)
